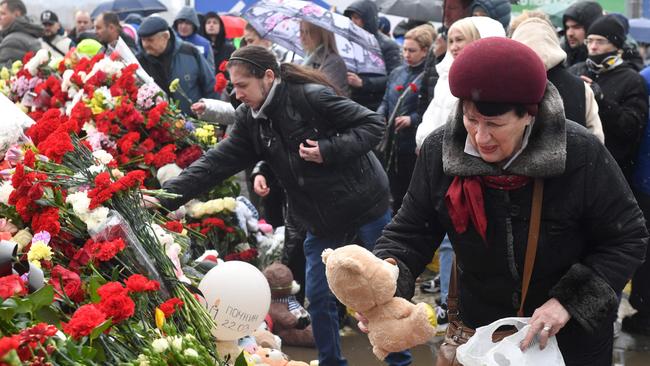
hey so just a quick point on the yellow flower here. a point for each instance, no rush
(173, 86)
(16, 66)
(39, 251)
(160, 318)
(4, 74)
(97, 103)
(229, 204)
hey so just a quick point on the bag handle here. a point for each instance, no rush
(529, 263)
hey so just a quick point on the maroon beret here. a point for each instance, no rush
(498, 70)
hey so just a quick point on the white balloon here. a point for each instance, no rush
(237, 296)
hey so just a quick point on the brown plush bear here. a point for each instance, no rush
(367, 284)
(290, 319)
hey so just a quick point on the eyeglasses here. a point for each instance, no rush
(597, 42)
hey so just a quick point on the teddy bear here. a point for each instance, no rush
(273, 357)
(367, 284)
(291, 321)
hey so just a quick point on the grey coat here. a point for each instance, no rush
(333, 66)
(18, 39)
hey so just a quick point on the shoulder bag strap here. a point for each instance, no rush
(531, 251)
(533, 237)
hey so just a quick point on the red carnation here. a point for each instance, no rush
(7, 344)
(414, 88)
(399, 88)
(174, 226)
(170, 306)
(223, 65)
(117, 307)
(47, 220)
(188, 155)
(104, 251)
(30, 158)
(28, 56)
(37, 335)
(140, 283)
(220, 83)
(83, 321)
(68, 283)
(163, 157)
(12, 285)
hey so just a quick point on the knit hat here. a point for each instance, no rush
(609, 27)
(152, 25)
(499, 70)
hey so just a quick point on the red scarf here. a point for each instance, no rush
(464, 199)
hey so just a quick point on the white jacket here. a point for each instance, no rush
(62, 43)
(443, 102)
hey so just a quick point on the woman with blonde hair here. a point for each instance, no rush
(321, 54)
(405, 79)
(461, 33)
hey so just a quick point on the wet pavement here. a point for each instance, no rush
(634, 350)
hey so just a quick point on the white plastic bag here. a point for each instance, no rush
(481, 351)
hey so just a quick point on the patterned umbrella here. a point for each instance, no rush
(279, 21)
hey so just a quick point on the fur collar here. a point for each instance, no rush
(544, 156)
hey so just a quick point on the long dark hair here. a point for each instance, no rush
(256, 60)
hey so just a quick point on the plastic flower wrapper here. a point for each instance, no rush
(14, 122)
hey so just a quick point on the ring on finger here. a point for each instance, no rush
(547, 328)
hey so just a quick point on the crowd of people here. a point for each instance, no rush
(485, 111)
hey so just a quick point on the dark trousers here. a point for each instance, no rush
(640, 296)
(399, 177)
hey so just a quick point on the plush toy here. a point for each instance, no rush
(367, 284)
(290, 320)
(272, 357)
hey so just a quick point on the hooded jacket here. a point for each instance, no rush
(222, 48)
(498, 10)
(203, 45)
(182, 61)
(443, 102)
(579, 103)
(592, 235)
(20, 37)
(583, 13)
(372, 91)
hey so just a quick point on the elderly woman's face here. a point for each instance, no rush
(496, 138)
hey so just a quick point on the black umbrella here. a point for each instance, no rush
(125, 7)
(425, 10)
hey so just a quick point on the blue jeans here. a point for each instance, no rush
(322, 303)
(445, 258)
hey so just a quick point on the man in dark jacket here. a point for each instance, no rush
(619, 90)
(368, 89)
(576, 20)
(166, 58)
(19, 35)
(214, 31)
(83, 27)
(187, 26)
(109, 30)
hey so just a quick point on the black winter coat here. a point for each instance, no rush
(592, 234)
(370, 94)
(348, 190)
(623, 109)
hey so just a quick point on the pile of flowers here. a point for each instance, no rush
(92, 274)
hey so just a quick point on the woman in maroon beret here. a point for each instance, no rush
(474, 180)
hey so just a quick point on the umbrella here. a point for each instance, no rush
(424, 10)
(640, 29)
(279, 21)
(234, 25)
(125, 7)
(555, 11)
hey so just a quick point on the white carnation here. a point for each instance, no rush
(230, 204)
(102, 156)
(168, 172)
(5, 190)
(191, 353)
(160, 345)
